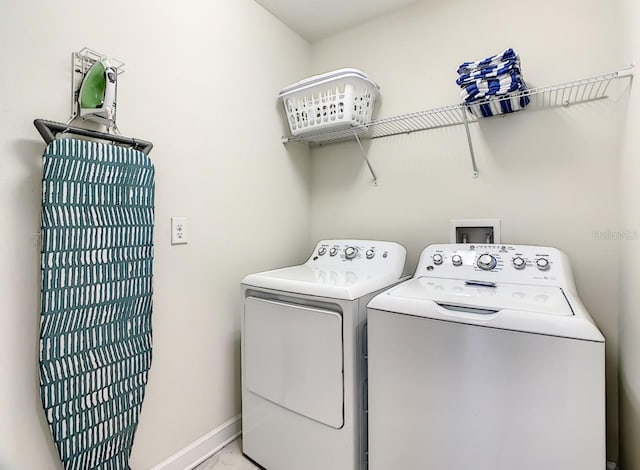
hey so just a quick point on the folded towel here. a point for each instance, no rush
(468, 67)
(493, 71)
(507, 83)
(487, 83)
(501, 105)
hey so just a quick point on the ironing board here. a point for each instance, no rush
(95, 328)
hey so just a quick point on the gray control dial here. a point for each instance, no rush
(437, 259)
(370, 253)
(350, 252)
(542, 264)
(322, 250)
(487, 262)
(519, 262)
(333, 251)
(456, 260)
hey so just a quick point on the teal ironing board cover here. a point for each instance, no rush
(96, 299)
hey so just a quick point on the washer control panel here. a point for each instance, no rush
(521, 264)
(366, 254)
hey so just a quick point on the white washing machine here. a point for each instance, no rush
(303, 362)
(485, 360)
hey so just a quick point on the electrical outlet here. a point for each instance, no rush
(179, 231)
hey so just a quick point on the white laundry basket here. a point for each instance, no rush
(335, 100)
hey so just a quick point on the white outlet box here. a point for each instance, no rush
(179, 234)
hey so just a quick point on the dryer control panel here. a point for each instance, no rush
(517, 264)
(369, 255)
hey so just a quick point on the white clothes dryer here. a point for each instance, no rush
(485, 360)
(303, 362)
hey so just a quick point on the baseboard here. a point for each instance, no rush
(199, 451)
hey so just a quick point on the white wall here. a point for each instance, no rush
(193, 74)
(630, 255)
(200, 83)
(551, 176)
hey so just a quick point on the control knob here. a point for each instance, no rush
(350, 252)
(322, 250)
(437, 259)
(370, 253)
(487, 262)
(542, 264)
(333, 251)
(456, 260)
(519, 262)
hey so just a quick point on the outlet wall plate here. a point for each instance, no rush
(179, 233)
(475, 231)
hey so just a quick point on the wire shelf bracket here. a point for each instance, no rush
(470, 142)
(366, 159)
(554, 96)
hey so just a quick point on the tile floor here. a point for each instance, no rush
(229, 458)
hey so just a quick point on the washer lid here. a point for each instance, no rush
(486, 296)
(541, 310)
(332, 283)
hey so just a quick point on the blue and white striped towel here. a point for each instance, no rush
(487, 83)
(489, 72)
(467, 67)
(502, 105)
(506, 83)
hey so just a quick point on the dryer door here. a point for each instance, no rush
(293, 357)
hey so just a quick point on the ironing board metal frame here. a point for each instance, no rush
(49, 129)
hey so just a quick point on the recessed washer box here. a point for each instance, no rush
(475, 231)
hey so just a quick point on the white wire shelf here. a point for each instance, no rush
(565, 94)
(562, 95)
(403, 124)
